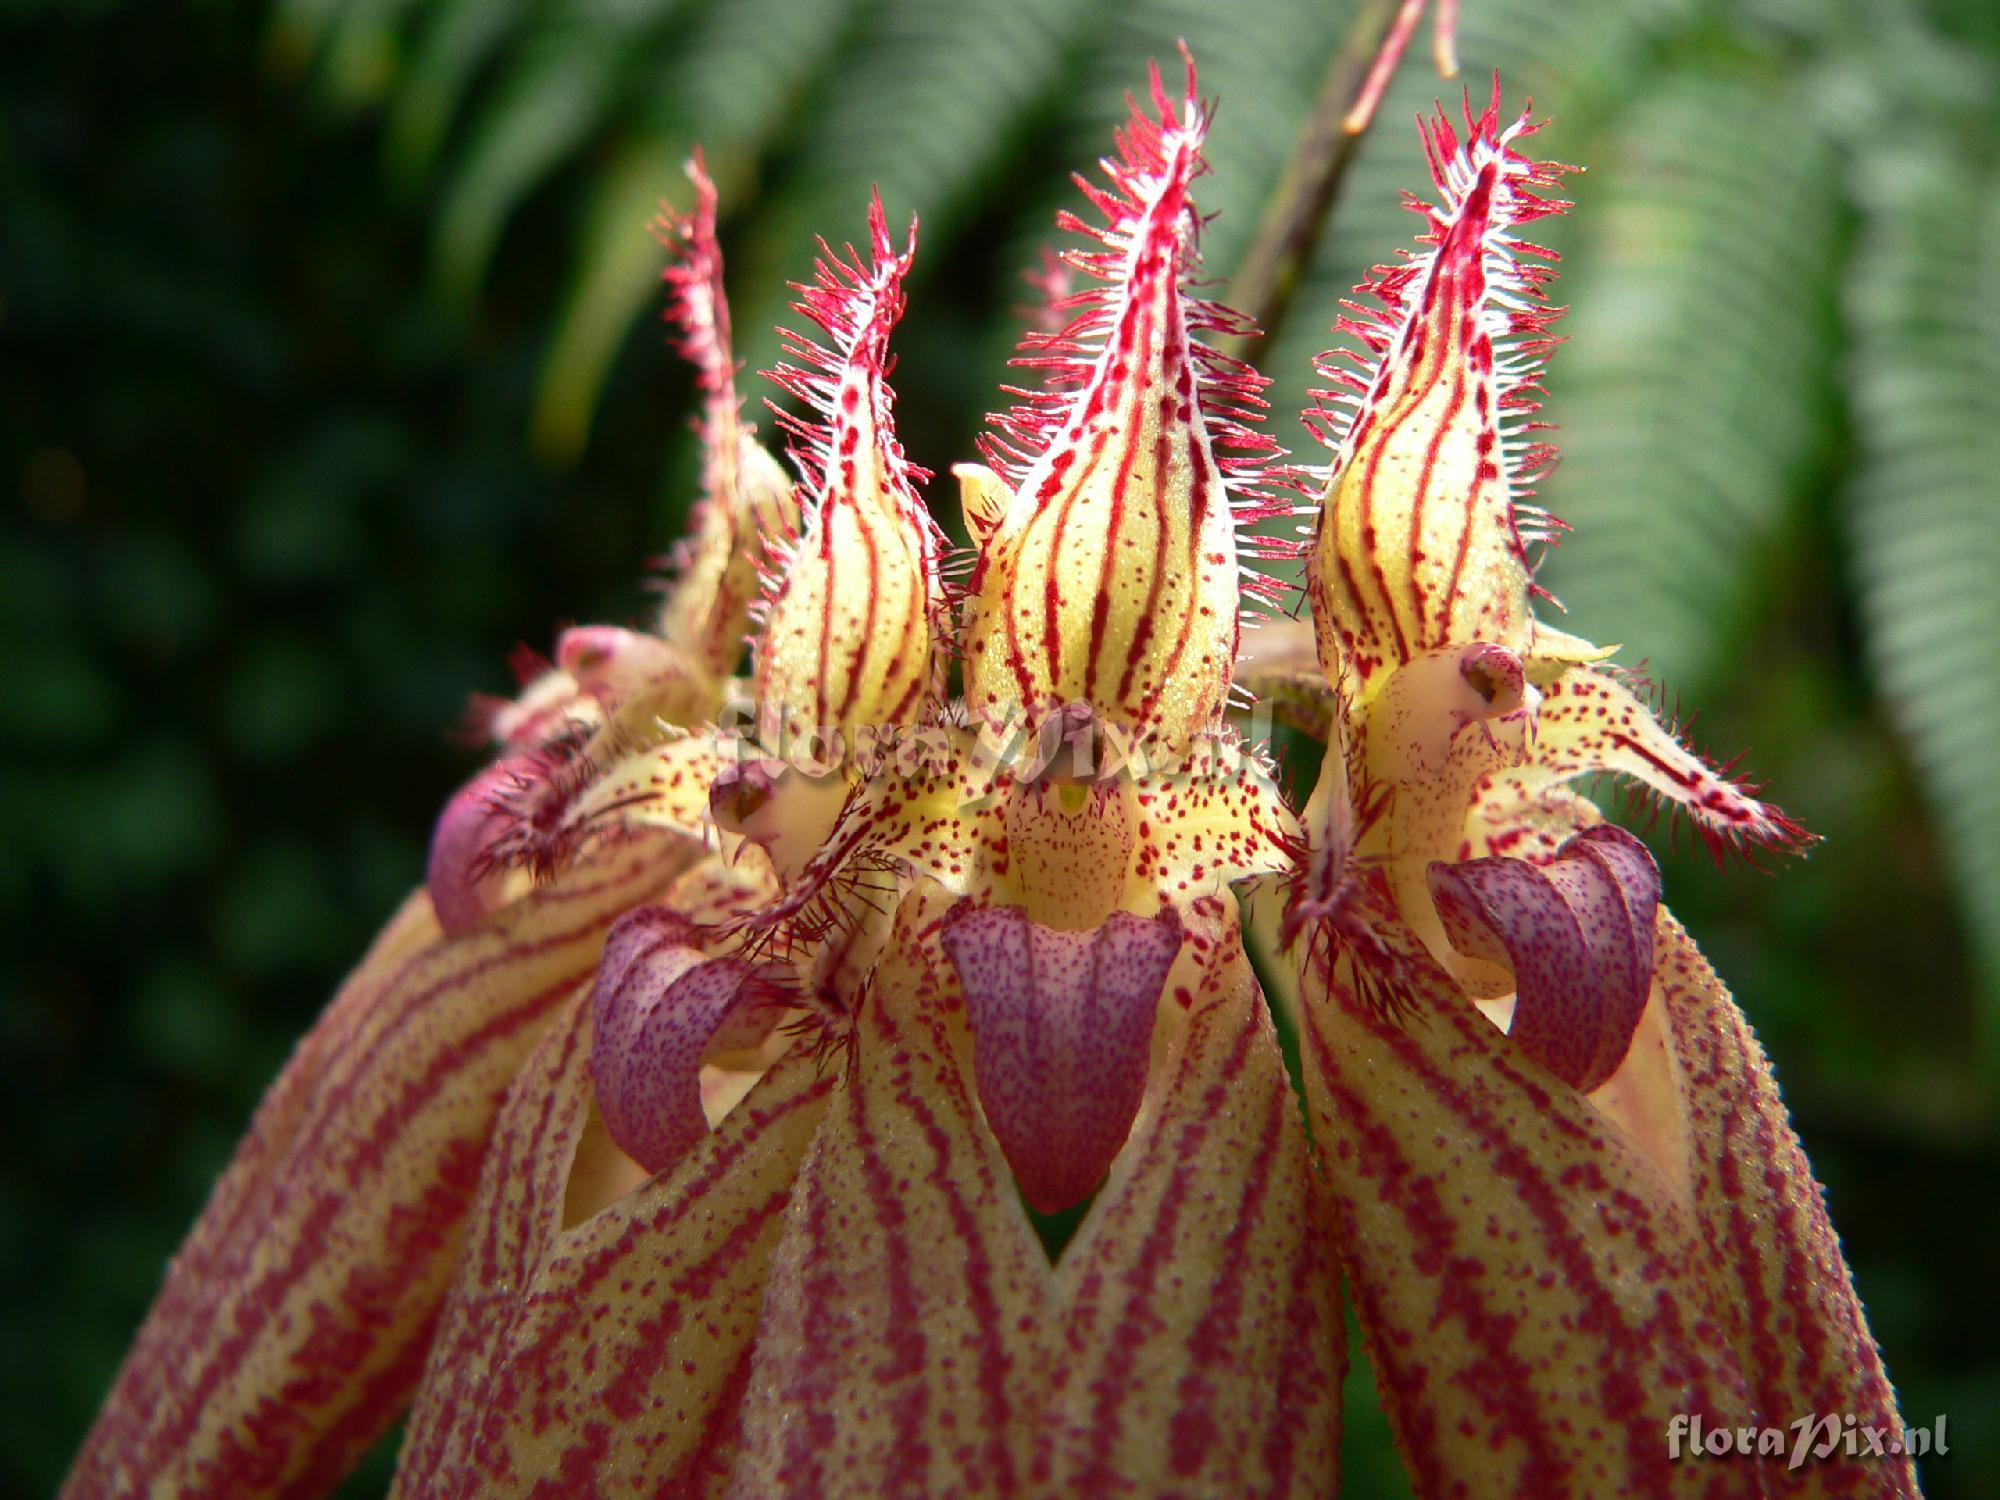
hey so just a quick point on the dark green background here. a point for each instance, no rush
(314, 400)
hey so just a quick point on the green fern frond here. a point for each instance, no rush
(561, 85)
(924, 105)
(1579, 60)
(731, 82)
(1260, 64)
(1925, 310)
(455, 39)
(1699, 369)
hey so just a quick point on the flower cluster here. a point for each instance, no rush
(688, 1134)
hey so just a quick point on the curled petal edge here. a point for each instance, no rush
(1577, 934)
(1062, 1026)
(661, 1006)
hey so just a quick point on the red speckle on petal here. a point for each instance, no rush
(1578, 935)
(1062, 1024)
(659, 1005)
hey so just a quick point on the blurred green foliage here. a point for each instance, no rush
(328, 371)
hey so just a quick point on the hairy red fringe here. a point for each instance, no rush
(696, 303)
(1158, 158)
(1518, 317)
(1640, 804)
(858, 304)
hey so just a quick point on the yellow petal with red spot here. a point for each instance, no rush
(609, 1353)
(662, 787)
(1534, 1291)
(1524, 812)
(542, 812)
(849, 640)
(1422, 529)
(1220, 820)
(1590, 722)
(293, 1323)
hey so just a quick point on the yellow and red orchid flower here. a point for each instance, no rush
(688, 1137)
(1568, 1201)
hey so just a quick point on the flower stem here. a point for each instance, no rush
(1275, 264)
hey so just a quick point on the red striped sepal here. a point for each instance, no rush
(746, 507)
(1547, 1279)
(1789, 1305)
(1422, 529)
(850, 634)
(1204, 1350)
(916, 1341)
(1533, 1290)
(295, 1319)
(598, 1333)
(1107, 571)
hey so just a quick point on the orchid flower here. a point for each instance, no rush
(689, 1134)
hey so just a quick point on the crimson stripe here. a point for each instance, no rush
(1110, 1388)
(864, 638)
(168, 1392)
(825, 642)
(1805, 1341)
(264, 1300)
(1309, 1332)
(583, 1354)
(1135, 350)
(995, 1360)
(1163, 570)
(1426, 376)
(1454, 403)
(1210, 1343)
(1502, 1384)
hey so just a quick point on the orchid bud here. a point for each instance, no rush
(1109, 575)
(1422, 538)
(849, 639)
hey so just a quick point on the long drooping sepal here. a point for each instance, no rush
(1423, 527)
(1062, 1029)
(583, 1349)
(1791, 1312)
(902, 1347)
(1590, 723)
(293, 1322)
(849, 641)
(1535, 1292)
(1110, 574)
(1203, 1351)
(746, 508)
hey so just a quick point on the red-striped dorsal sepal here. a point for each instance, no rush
(746, 507)
(1108, 570)
(1423, 533)
(849, 640)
